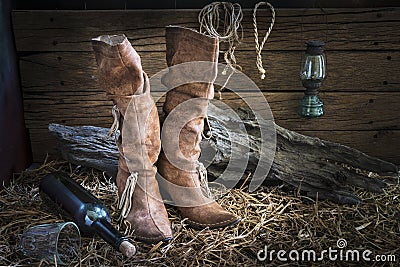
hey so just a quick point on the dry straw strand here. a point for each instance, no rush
(271, 216)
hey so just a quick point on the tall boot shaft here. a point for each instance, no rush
(135, 113)
(193, 59)
(121, 75)
(119, 66)
(186, 48)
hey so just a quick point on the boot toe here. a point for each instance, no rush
(211, 216)
(150, 230)
(152, 235)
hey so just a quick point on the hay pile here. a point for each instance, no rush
(275, 217)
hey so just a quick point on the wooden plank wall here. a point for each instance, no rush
(361, 92)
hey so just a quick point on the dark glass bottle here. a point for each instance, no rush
(91, 216)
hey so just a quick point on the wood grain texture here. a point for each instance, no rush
(344, 111)
(360, 122)
(383, 144)
(361, 92)
(346, 71)
(342, 29)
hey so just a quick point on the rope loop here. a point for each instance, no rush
(223, 20)
(260, 46)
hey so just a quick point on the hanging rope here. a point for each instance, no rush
(259, 47)
(231, 16)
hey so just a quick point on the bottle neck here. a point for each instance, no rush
(107, 232)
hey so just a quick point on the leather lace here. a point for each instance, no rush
(115, 126)
(125, 202)
(210, 134)
(204, 179)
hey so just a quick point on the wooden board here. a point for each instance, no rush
(360, 122)
(342, 29)
(344, 111)
(383, 144)
(346, 71)
(361, 92)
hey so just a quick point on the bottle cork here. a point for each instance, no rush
(127, 248)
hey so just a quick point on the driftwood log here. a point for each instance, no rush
(319, 168)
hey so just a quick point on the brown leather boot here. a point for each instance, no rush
(121, 75)
(186, 104)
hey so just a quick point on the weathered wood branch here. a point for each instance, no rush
(312, 165)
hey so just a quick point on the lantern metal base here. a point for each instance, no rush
(311, 107)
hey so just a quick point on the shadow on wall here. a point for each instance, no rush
(15, 154)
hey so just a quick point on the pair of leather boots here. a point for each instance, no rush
(183, 176)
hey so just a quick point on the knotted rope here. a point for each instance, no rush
(260, 46)
(231, 17)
